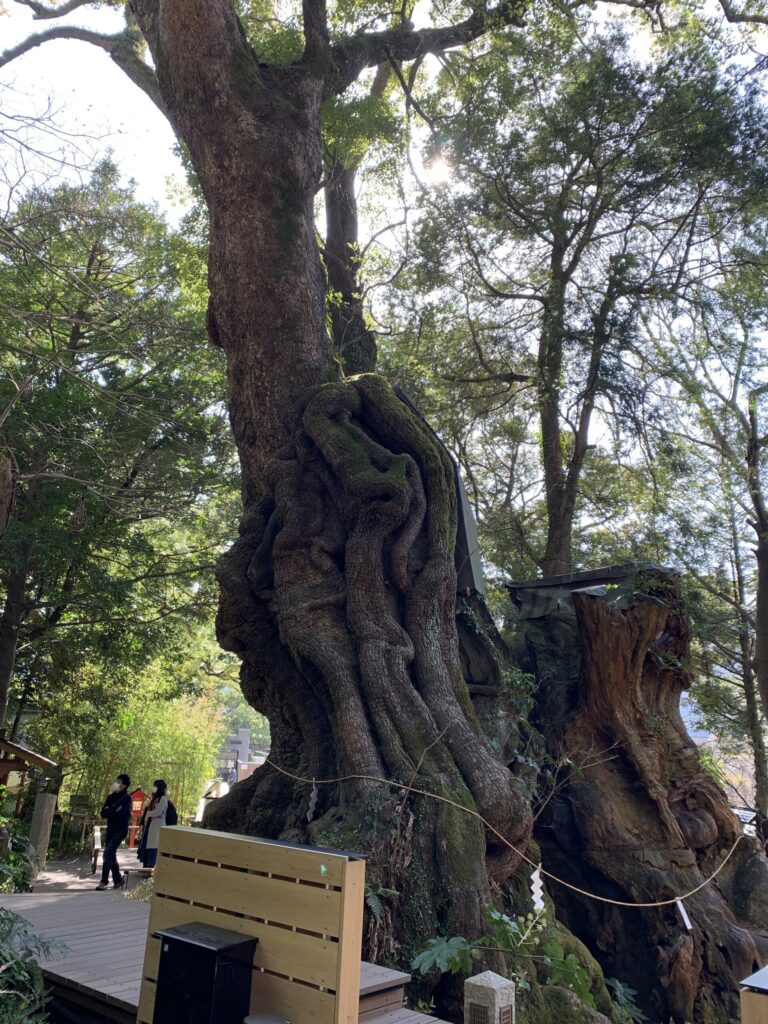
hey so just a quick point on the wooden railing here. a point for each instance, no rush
(304, 905)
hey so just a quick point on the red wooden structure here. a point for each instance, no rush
(138, 796)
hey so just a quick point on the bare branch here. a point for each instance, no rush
(410, 99)
(127, 54)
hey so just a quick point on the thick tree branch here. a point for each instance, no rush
(126, 53)
(44, 12)
(351, 56)
(738, 17)
(125, 48)
(106, 42)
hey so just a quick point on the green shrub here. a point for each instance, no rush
(22, 992)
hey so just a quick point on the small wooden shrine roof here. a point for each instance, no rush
(18, 755)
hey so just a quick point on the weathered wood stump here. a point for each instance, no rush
(634, 816)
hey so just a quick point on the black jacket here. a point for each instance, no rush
(117, 811)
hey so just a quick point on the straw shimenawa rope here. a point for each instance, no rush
(468, 810)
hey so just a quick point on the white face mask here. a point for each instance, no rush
(116, 787)
(154, 789)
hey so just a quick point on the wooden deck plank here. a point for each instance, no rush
(403, 1016)
(105, 935)
(375, 978)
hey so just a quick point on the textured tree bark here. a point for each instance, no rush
(755, 458)
(755, 724)
(339, 595)
(643, 821)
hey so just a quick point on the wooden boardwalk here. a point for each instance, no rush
(105, 935)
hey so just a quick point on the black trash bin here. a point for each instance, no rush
(204, 976)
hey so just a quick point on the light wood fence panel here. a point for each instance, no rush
(305, 906)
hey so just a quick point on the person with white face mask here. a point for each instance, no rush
(117, 812)
(153, 820)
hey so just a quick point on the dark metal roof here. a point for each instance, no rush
(606, 574)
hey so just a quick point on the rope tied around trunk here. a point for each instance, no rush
(673, 901)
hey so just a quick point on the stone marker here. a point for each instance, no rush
(489, 999)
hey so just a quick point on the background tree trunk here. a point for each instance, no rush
(755, 723)
(10, 622)
(557, 553)
(636, 818)
(353, 342)
(7, 493)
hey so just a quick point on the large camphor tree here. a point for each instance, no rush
(340, 594)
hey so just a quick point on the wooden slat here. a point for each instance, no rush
(305, 906)
(380, 1002)
(146, 1002)
(284, 952)
(95, 1005)
(255, 854)
(295, 1002)
(100, 959)
(403, 1016)
(350, 941)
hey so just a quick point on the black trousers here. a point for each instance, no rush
(109, 859)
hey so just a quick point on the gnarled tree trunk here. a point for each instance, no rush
(340, 597)
(636, 818)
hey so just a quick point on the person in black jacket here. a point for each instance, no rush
(117, 812)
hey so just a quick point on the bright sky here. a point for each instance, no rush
(91, 95)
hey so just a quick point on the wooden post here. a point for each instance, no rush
(754, 1007)
(42, 823)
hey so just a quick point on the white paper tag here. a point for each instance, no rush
(537, 889)
(684, 915)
